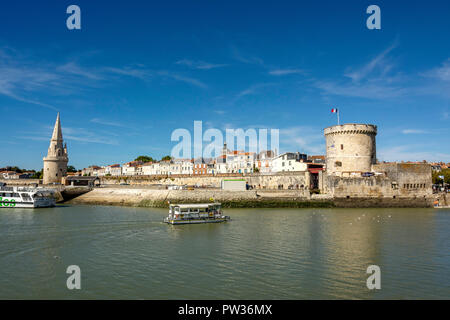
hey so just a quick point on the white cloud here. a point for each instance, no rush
(200, 64)
(131, 72)
(247, 59)
(107, 122)
(75, 69)
(22, 79)
(372, 81)
(441, 73)
(185, 79)
(377, 90)
(252, 89)
(282, 72)
(380, 63)
(414, 131)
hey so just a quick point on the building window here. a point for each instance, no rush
(342, 147)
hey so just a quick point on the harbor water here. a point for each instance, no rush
(128, 253)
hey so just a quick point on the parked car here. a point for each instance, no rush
(367, 174)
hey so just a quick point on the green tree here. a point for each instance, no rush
(144, 159)
(37, 174)
(15, 169)
(166, 158)
(445, 173)
(71, 169)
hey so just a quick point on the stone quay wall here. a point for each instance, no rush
(276, 181)
(21, 182)
(147, 197)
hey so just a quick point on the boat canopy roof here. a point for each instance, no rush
(196, 205)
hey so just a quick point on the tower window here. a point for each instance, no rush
(342, 147)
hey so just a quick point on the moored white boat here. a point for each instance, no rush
(195, 213)
(26, 197)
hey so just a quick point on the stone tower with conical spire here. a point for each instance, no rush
(55, 163)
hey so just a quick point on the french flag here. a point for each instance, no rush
(334, 110)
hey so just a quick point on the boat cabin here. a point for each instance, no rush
(182, 210)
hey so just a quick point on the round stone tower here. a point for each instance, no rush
(55, 163)
(350, 148)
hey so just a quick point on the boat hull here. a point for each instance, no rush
(196, 221)
(37, 204)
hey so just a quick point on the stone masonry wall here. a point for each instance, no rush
(396, 180)
(296, 180)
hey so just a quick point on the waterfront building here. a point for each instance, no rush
(240, 162)
(317, 159)
(220, 166)
(200, 167)
(99, 172)
(131, 168)
(89, 171)
(113, 170)
(81, 181)
(290, 161)
(174, 168)
(12, 175)
(55, 163)
(211, 167)
(164, 167)
(185, 166)
(221, 161)
(149, 168)
(264, 161)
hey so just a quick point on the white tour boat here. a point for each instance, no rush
(195, 213)
(26, 197)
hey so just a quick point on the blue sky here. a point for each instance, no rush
(137, 70)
